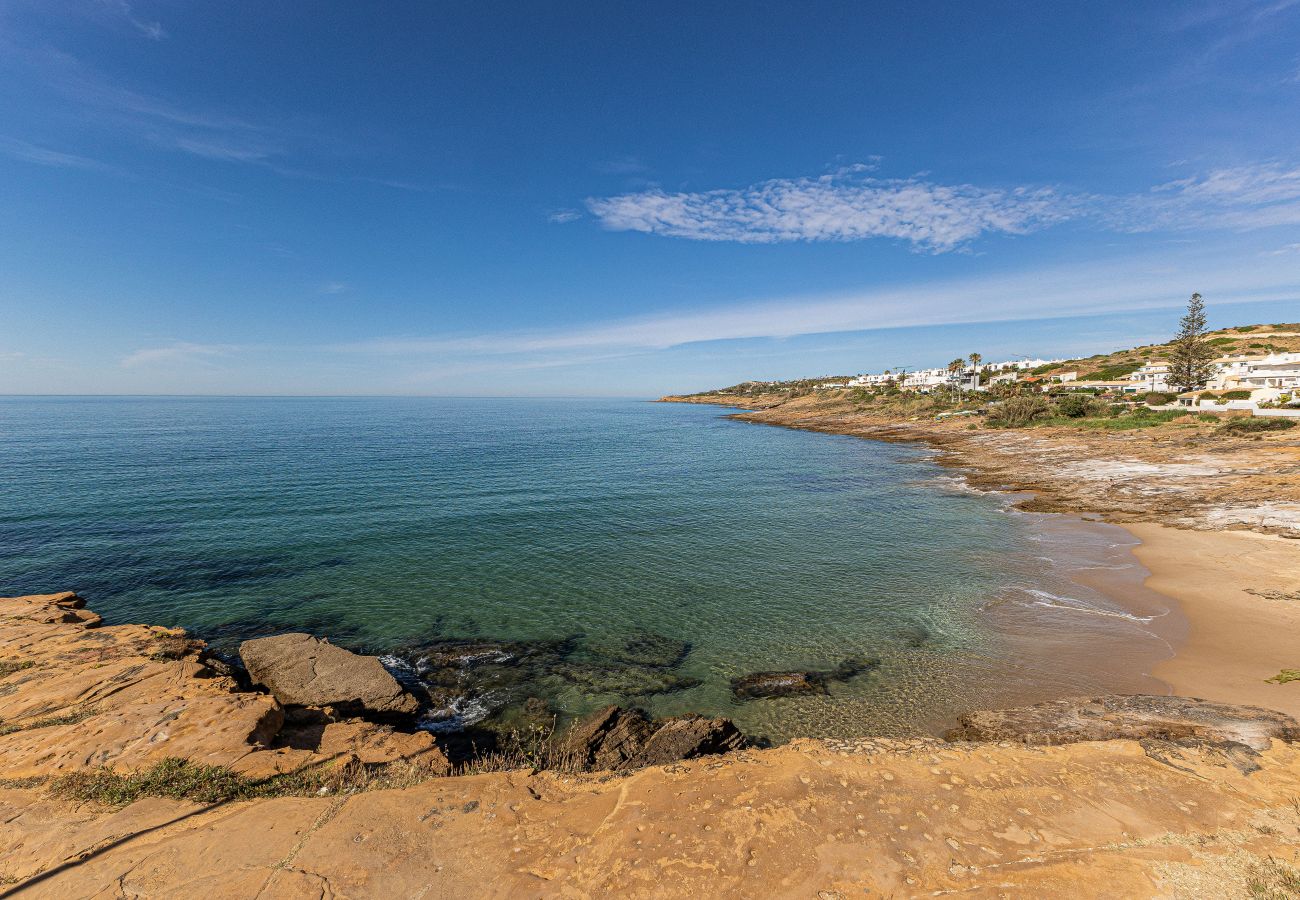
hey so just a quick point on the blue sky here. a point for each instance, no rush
(629, 198)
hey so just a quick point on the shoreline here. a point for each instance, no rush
(1237, 591)
(1229, 586)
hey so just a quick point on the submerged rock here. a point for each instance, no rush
(1133, 717)
(784, 684)
(301, 670)
(777, 684)
(617, 738)
(466, 654)
(626, 681)
(642, 648)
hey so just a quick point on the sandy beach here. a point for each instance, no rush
(1240, 594)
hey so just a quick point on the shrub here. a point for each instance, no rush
(1235, 395)
(1245, 328)
(1156, 398)
(1256, 424)
(1019, 412)
(1074, 406)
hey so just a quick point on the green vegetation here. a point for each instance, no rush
(10, 666)
(1157, 398)
(80, 714)
(1245, 328)
(1019, 412)
(1273, 880)
(180, 779)
(1256, 425)
(1220, 341)
(1285, 676)
(1113, 373)
(1235, 395)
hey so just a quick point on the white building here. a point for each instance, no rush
(1153, 376)
(1266, 377)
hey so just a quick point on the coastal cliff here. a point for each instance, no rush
(134, 764)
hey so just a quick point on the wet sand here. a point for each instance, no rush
(1240, 594)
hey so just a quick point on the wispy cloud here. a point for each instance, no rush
(179, 352)
(846, 205)
(208, 134)
(560, 216)
(623, 165)
(1122, 285)
(44, 156)
(150, 29)
(851, 204)
(333, 287)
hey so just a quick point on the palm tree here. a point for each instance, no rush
(975, 360)
(954, 368)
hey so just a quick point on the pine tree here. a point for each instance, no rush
(1189, 360)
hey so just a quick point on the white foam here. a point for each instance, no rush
(1074, 604)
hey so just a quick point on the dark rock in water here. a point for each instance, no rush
(778, 684)
(785, 684)
(301, 670)
(1133, 717)
(643, 648)
(533, 715)
(914, 635)
(688, 737)
(616, 738)
(466, 654)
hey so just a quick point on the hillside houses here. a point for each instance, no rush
(1269, 378)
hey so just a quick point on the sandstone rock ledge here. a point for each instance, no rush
(76, 696)
(1181, 814)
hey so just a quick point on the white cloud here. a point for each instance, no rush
(43, 156)
(851, 205)
(152, 30)
(560, 216)
(1120, 286)
(847, 205)
(333, 287)
(179, 352)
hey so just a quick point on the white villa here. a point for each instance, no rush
(1266, 377)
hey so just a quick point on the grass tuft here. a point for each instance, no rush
(1286, 675)
(10, 666)
(180, 779)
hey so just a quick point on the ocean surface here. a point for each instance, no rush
(599, 551)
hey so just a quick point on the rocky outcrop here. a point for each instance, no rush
(616, 738)
(687, 737)
(1133, 717)
(784, 684)
(76, 694)
(302, 670)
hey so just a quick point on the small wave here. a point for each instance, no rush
(457, 715)
(1073, 604)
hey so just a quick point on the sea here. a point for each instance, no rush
(576, 553)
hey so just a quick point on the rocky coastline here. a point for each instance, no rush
(141, 733)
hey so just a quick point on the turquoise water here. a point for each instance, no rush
(572, 525)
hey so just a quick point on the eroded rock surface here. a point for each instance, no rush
(302, 670)
(1132, 717)
(616, 738)
(75, 695)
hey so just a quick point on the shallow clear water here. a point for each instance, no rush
(389, 523)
